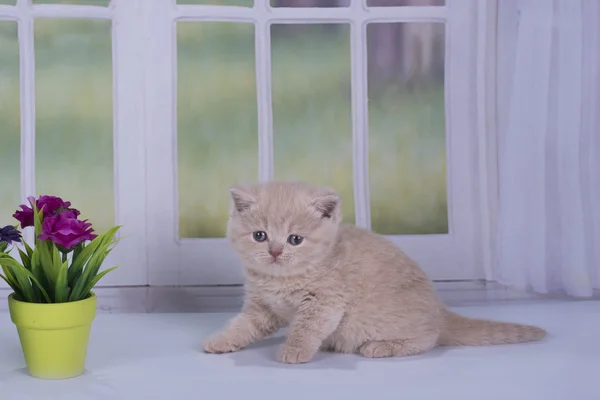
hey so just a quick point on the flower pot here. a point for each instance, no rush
(54, 337)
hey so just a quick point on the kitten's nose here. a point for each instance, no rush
(275, 252)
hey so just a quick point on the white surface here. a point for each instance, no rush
(198, 299)
(549, 157)
(155, 356)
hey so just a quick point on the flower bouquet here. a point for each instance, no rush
(52, 303)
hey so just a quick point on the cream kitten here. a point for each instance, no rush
(338, 287)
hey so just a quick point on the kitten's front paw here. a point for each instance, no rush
(295, 355)
(220, 344)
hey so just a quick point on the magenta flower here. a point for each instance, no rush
(25, 217)
(65, 230)
(52, 205)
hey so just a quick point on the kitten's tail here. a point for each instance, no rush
(463, 331)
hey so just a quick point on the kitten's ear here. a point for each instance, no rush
(326, 203)
(242, 198)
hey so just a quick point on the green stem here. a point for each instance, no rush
(64, 257)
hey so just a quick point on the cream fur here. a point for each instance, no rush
(343, 289)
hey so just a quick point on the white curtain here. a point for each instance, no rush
(548, 236)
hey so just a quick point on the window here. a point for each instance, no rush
(376, 100)
(76, 69)
(144, 112)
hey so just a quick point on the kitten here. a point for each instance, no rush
(338, 287)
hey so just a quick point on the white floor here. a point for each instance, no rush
(156, 356)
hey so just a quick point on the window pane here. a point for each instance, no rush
(74, 118)
(407, 143)
(239, 3)
(217, 126)
(312, 117)
(10, 138)
(310, 3)
(400, 3)
(8, 2)
(103, 3)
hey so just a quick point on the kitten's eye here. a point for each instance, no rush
(295, 240)
(259, 236)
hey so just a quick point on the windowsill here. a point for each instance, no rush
(156, 356)
(201, 299)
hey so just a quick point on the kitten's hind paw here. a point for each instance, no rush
(397, 348)
(220, 344)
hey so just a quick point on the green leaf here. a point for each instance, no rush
(9, 277)
(38, 272)
(28, 249)
(8, 272)
(42, 290)
(78, 249)
(38, 216)
(91, 269)
(20, 272)
(56, 260)
(35, 270)
(75, 274)
(46, 260)
(81, 258)
(25, 259)
(61, 289)
(44, 247)
(94, 281)
(3, 246)
(14, 287)
(95, 262)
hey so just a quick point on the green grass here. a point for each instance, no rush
(217, 124)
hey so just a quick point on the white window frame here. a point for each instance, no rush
(145, 191)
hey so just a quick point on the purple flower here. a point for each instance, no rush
(25, 217)
(65, 230)
(52, 205)
(10, 234)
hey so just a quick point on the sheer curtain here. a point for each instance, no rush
(548, 236)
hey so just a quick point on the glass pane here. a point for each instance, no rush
(217, 126)
(407, 143)
(103, 3)
(310, 3)
(312, 114)
(400, 3)
(10, 137)
(239, 3)
(74, 116)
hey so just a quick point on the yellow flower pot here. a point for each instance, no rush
(54, 337)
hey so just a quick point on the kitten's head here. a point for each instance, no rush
(282, 228)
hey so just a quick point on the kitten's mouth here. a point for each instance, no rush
(275, 261)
